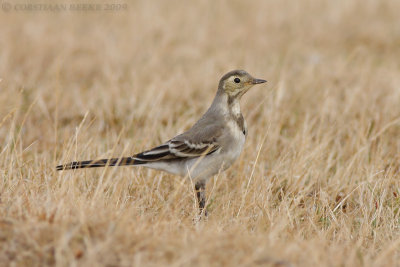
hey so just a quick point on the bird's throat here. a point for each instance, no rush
(234, 107)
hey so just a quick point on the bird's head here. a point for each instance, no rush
(237, 82)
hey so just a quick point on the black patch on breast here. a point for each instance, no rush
(240, 122)
(230, 100)
(238, 118)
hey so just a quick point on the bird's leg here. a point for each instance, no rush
(200, 187)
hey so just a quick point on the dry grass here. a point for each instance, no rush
(316, 185)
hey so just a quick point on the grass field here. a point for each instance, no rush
(316, 185)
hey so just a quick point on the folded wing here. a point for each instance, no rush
(191, 144)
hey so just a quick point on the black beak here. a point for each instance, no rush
(257, 81)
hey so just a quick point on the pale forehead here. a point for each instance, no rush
(235, 73)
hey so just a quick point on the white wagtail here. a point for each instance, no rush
(210, 146)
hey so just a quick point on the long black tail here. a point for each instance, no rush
(99, 163)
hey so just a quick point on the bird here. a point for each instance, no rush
(209, 147)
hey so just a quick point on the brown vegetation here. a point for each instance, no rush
(316, 185)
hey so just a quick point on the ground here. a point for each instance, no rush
(316, 185)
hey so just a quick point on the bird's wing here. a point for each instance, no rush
(196, 142)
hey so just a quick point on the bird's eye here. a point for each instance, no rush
(236, 80)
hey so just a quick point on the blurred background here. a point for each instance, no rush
(318, 180)
(74, 57)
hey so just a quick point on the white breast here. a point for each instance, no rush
(235, 148)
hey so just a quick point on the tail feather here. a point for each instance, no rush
(99, 163)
